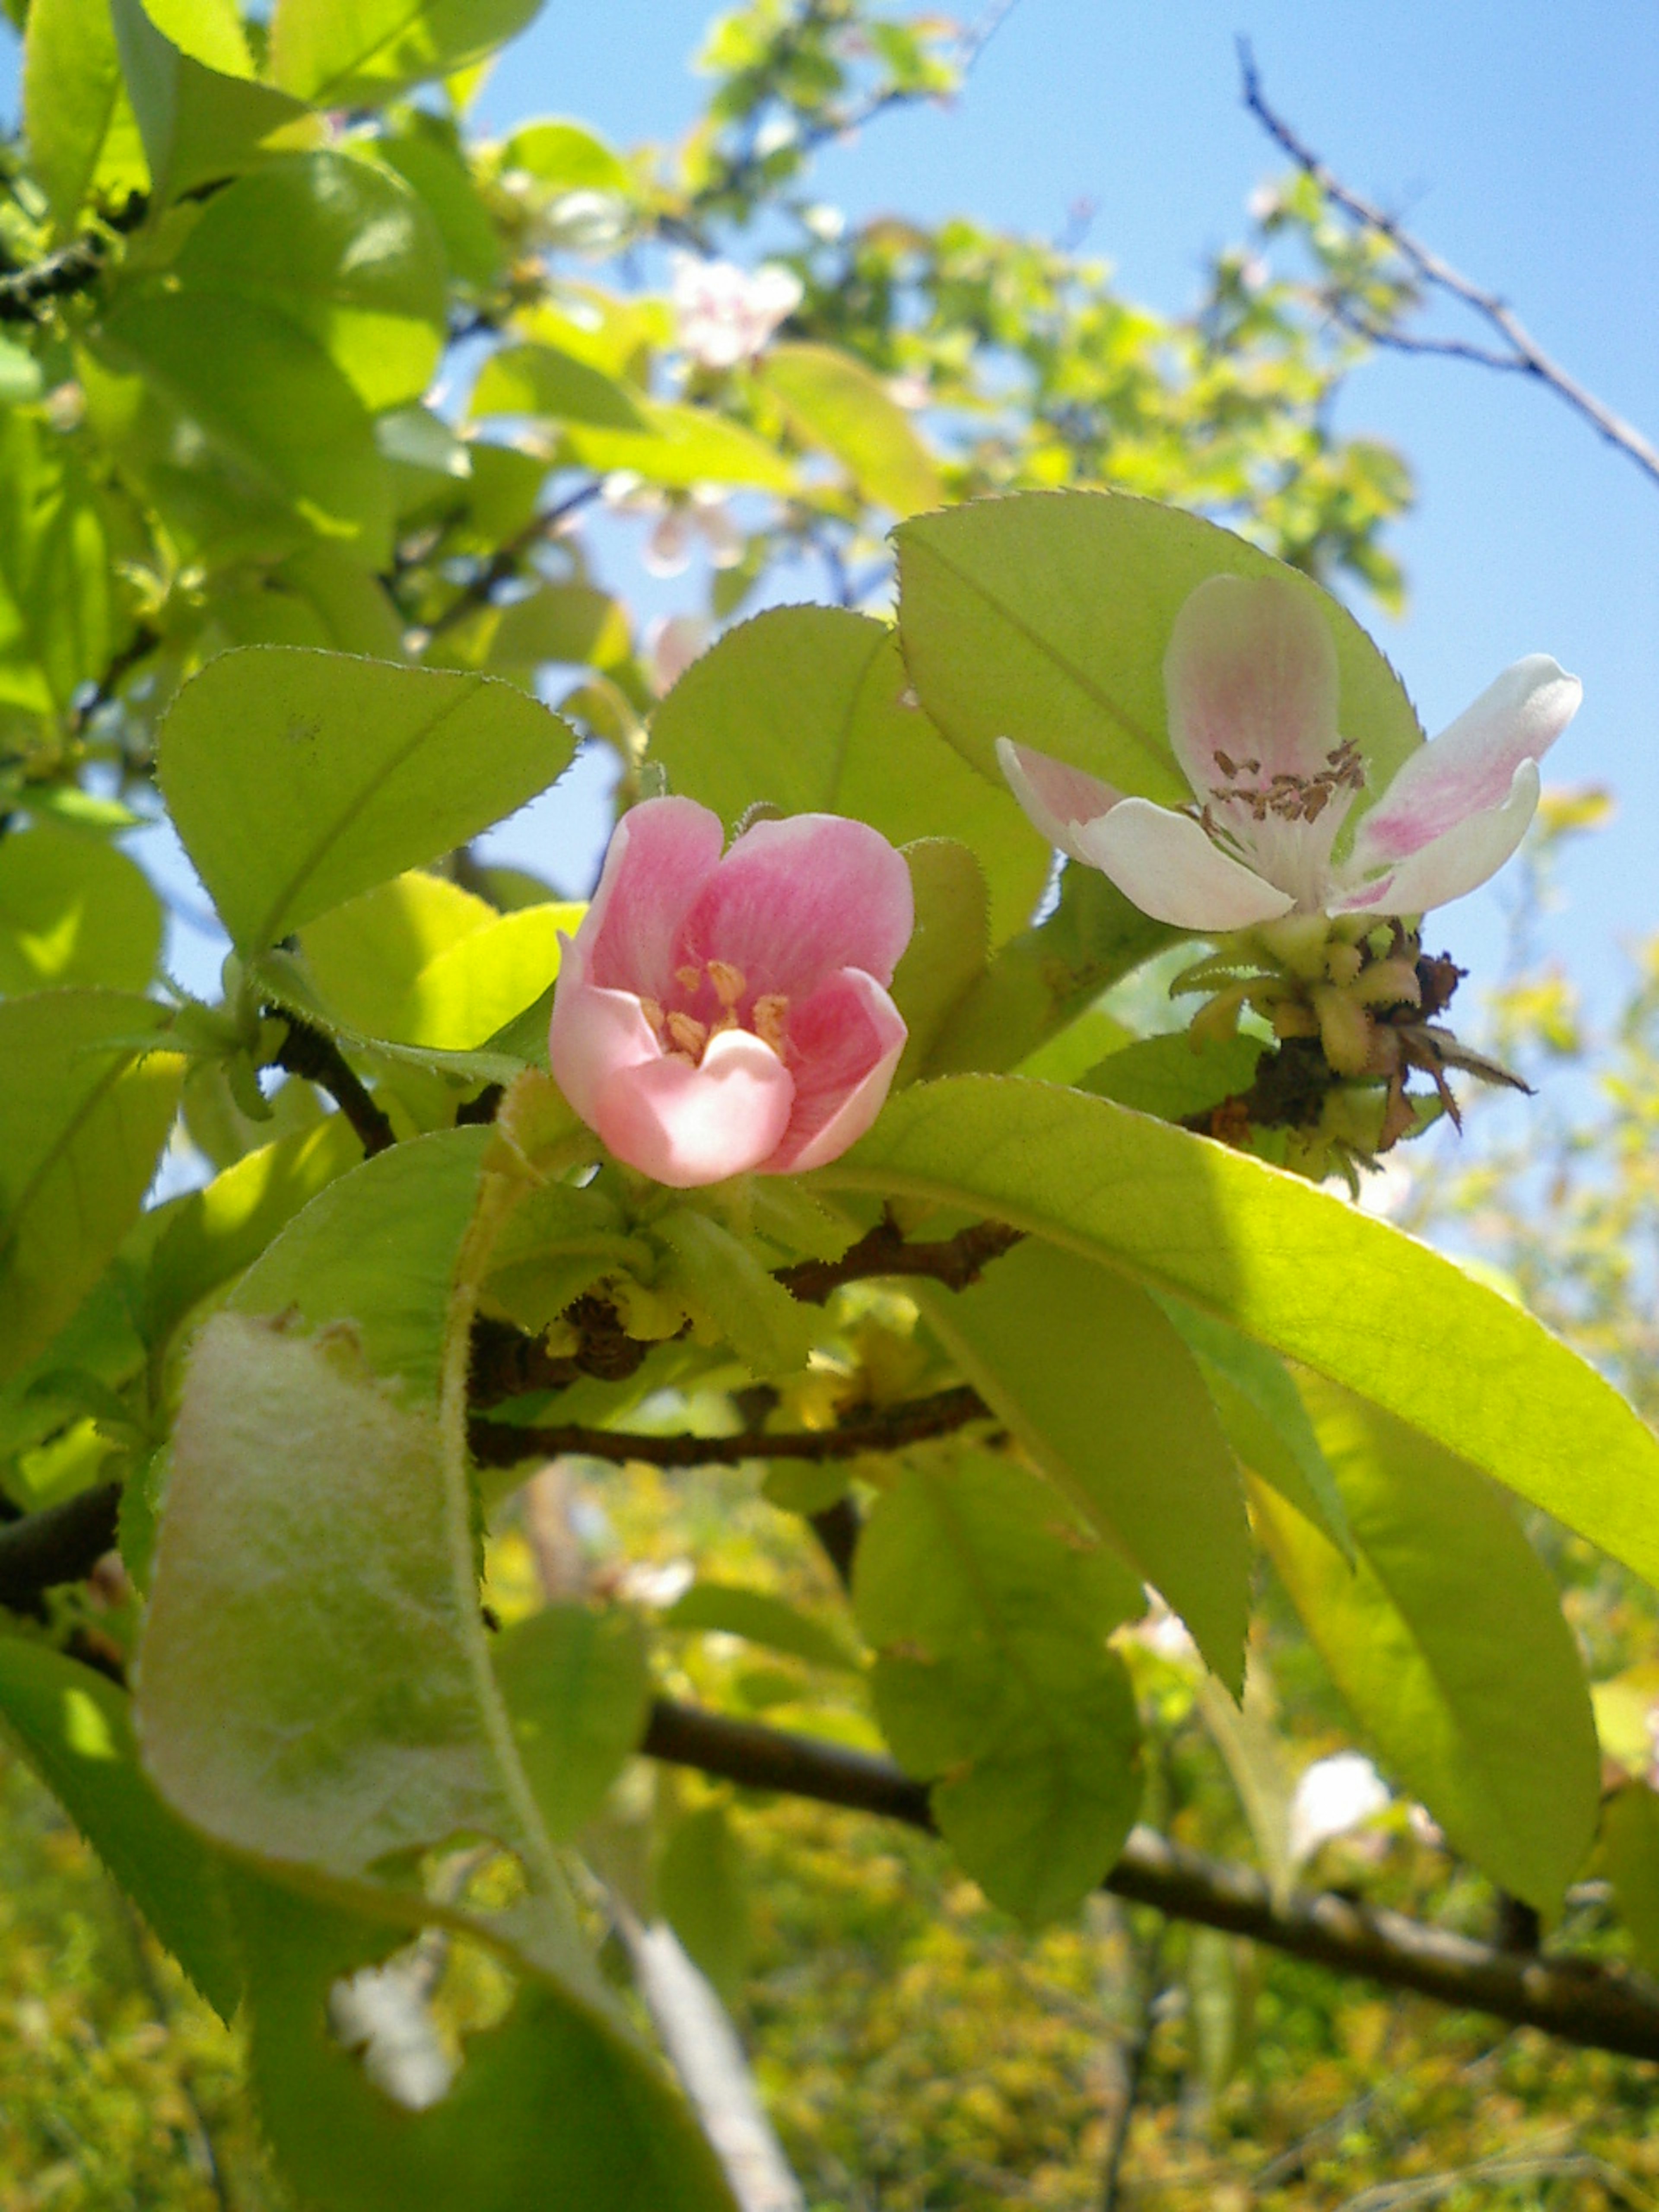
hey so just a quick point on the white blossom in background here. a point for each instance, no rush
(672, 642)
(681, 520)
(725, 314)
(382, 2011)
(1333, 1796)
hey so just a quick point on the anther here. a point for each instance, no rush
(688, 1034)
(729, 984)
(769, 1020)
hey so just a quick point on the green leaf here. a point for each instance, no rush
(1293, 1268)
(993, 1678)
(726, 1610)
(1266, 1420)
(316, 1534)
(1040, 981)
(1446, 1638)
(569, 622)
(343, 248)
(219, 1231)
(425, 156)
(86, 1103)
(806, 707)
(566, 157)
(1096, 1385)
(378, 1248)
(576, 1683)
(1045, 617)
(189, 78)
(76, 118)
(702, 1889)
(75, 1729)
(356, 53)
(1630, 1847)
(946, 954)
(679, 447)
(420, 961)
(539, 379)
(1175, 1075)
(834, 402)
(769, 1331)
(297, 778)
(54, 571)
(545, 2111)
(267, 399)
(73, 910)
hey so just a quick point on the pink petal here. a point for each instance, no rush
(683, 1125)
(1250, 674)
(661, 855)
(1166, 863)
(1059, 799)
(848, 1037)
(794, 901)
(1469, 769)
(593, 1036)
(1454, 862)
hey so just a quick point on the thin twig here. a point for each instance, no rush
(307, 1052)
(504, 1443)
(1578, 2000)
(503, 563)
(1526, 357)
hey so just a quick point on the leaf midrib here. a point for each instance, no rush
(268, 931)
(1090, 689)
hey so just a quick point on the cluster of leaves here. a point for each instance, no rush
(259, 580)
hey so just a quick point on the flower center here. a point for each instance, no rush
(1289, 797)
(714, 996)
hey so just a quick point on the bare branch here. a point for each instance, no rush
(61, 1544)
(504, 1443)
(1525, 356)
(307, 1052)
(956, 1261)
(1578, 2000)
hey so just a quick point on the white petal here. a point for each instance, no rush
(1250, 677)
(1060, 799)
(1168, 866)
(1469, 769)
(1457, 861)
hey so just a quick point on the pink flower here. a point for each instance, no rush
(1250, 680)
(714, 1016)
(725, 314)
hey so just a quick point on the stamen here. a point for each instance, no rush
(688, 1034)
(729, 984)
(653, 1013)
(688, 977)
(770, 1011)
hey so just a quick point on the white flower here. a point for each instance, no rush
(1334, 1796)
(726, 314)
(682, 517)
(1250, 679)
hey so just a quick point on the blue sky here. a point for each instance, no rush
(1523, 142)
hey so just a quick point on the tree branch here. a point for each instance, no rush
(1525, 356)
(504, 1443)
(1580, 2001)
(956, 1261)
(307, 1052)
(61, 1544)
